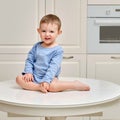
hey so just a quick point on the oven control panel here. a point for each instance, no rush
(103, 11)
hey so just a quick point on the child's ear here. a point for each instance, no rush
(60, 32)
(38, 29)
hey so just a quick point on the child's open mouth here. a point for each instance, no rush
(47, 38)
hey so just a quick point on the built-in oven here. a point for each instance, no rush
(103, 35)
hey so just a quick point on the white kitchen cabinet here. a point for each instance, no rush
(104, 67)
(18, 28)
(11, 65)
(18, 32)
(73, 14)
(19, 22)
(73, 65)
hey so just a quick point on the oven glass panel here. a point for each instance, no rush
(109, 34)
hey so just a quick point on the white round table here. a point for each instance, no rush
(102, 96)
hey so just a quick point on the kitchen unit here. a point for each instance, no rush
(77, 62)
(16, 42)
(103, 42)
(18, 28)
(104, 64)
(14, 45)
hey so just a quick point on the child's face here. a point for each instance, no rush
(48, 33)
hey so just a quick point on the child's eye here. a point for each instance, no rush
(43, 31)
(52, 31)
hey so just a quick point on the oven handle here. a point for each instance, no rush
(115, 22)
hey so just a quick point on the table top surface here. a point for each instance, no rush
(101, 92)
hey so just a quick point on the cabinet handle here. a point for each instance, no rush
(117, 10)
(112, 57)
(69, 57)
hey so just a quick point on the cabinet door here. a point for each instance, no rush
(73, 16)
(18, 22)
(18, 32)
(11, 65)
(73, 66)
(104, 67)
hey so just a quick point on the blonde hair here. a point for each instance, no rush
(51, 18)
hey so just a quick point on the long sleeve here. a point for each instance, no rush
(29, 63)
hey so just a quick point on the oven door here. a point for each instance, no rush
(103, 35)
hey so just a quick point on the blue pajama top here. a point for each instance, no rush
(44, 63)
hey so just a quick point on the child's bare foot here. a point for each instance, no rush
(42, 89)
(81, 86)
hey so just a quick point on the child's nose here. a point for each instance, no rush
(47, 33)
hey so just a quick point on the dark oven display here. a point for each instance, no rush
(109, 34)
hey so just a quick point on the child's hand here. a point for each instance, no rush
(44, 87)
(28, 77)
